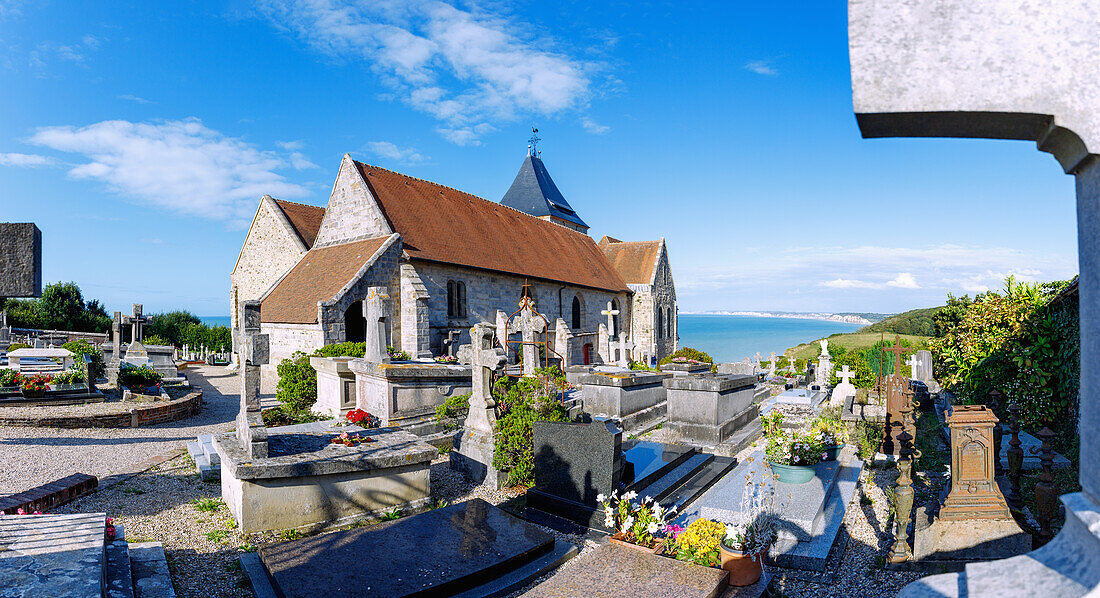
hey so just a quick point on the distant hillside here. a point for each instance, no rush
(917, 322)
(871, 317)
(852, 341)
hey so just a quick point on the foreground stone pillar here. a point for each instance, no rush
(1004, 69)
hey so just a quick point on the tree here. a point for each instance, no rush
(173, 326)
(62, 306)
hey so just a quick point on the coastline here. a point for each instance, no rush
(845, 318)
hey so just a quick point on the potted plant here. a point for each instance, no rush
(792, 456)
(701, 543)
(751, 534)
(832, 434)
(34, 387)
(634, 525)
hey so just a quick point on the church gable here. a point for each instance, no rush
(635, 261)
(352, 212)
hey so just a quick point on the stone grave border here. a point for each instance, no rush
(50, 495)
(132, 417)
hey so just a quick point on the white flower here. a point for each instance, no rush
(647, 500)
(653, 527)
(600, 497)
(628, 522)
(630, 495)
(609, 521)
(614, 494)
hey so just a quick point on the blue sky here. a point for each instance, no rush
(140, 137)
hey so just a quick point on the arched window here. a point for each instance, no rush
(355, 326)
(660, 322)
(578, 313)
(668, 322)
(615, 328)
(456, 299)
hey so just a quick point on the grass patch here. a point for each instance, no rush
(247, 547)
(208, 505)
(852, 341)
(217, 535)
(390, 515)
(290, 534)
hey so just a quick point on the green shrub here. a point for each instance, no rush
(297, 388)
(342, 350)
(137, 378)
(154, 339)
(16, 346)
(453, 407)
(283, 415)
(868, 436)
(7, 377)
(398, 355)
(689, 353)
(79, 349)
(73, 375)
(639, 365)
(520, 403)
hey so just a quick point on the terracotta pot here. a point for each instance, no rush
(793, 474)
(621, 540)
(744, 569)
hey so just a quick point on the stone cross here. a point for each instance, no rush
(502, 326)
(757, 363)
(116, 337)
(449, 342)
(254, 350)
(845, 375)
(562, 334)
(528, 323)
(625, 347)
(136, 321)
(914, 366)
(485, 359)
(374, 312)
(610, 313)
(4, 319)
(771, 365)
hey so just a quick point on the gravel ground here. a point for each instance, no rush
(35, 456)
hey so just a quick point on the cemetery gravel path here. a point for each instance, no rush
(35, 456)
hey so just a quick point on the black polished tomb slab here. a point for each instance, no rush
(436, 553)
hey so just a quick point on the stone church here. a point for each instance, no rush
(447, 260)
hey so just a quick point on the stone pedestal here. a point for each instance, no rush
(336, 394)
(973, 493)
(401, 393)
(953, 543)
(708, 410)
(637, 399)
(473, 456)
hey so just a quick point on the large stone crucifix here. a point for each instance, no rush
(845, 375)
(136, 321)
(610, 312)
(473, 453)
(254, 350)
(625, 348)
(528, 323)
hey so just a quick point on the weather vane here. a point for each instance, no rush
(533, 143)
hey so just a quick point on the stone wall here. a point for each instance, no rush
(382, 272)
(285, 339)
(486, 292)
(270, 250)
(352, 213)
(648, 298)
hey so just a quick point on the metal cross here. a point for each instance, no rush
(897, 350)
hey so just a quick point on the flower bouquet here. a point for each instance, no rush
(701, 543)
(362, 419)
(635, 524)
(792, 456)
(832, 434)
(446, 359)
(34, 387)
(351, 440)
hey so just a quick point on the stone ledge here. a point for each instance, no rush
(624, 380)
(132, 417)
(48, 496)
(411, 369)
(718, 383)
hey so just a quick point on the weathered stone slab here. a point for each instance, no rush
(152, 579)
(707, 410)
(678, 368)
(613, 571)
(636, 399)
(799, 396)
(944, 541)
(20, 260)
(436, 553)
(61, 556)
(335, 385)
(1031, 460)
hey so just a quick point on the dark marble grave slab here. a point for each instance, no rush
(436, 553)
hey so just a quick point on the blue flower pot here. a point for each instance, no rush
(831, 452)
(793, 474)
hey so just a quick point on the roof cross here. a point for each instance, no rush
(533, 143)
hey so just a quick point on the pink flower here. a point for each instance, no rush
(20, 511)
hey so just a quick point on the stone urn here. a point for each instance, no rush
(793, 474)
(744, 568)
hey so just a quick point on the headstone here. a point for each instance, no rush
(254, 351)
(710, 410)
(625, 347)
(575, 463)
(474, 453)
(974, 493)
(562, 344)
(529, 323)
(844, 388)
(923, 369)
(20, 260)
(450, 342)
(824, 371)
(374, 312)
(824, 347)
(771, 366)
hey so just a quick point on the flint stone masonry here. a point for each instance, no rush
(708, 410)
(20, 260)
(399, 392)
(1004, 70)
(637, 399)
(307, 481)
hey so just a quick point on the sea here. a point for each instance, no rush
(731, 338)
(726, 338)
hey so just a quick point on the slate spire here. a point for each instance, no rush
(535, 193)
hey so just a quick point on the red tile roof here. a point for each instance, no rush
(318, 276)
(305, 219)
(635, 261)
(442, 224)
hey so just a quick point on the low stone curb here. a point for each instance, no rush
(135, 417)
(47, 496)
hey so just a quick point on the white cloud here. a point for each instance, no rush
(298, 160)
(465, 68)
(182, 166)
(594, 127)
(133, 98)
(390, 151)
(25, 160)
(904, 280)
(848, 283)
(761, 67)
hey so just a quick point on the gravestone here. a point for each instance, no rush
(374, 313)
(824, 371)
(610, 313)
(450, 341)
(136, 322)
(502, 326)
(844, 389)
(562, 343)
(711, 410)
(771, 366)
(573, 464)
(923, 369)
(604, 342)
(625, 347)
(897, 394)
(254, 351)
(473, 453)
(637, 399)
(529, 323)
(20, 260)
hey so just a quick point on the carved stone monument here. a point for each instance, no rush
(529, 323)
(844, 388)
(254, 350)
(374, 312)
(473, 453)
(974, 494)
(625, 348)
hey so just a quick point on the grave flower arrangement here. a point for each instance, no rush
(792, 456)
(109, 531)
(752, 531)
(72, 375)
(351, 439)
(362, 419)
(635, 523)
(446, 359)
(34, 386)
(700, 543)
(832, 434)
(9, 377)
(397, 354)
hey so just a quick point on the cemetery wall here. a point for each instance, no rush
(352, 212)
(486, 292)
(270, 250)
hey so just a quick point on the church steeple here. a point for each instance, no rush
(534, 192)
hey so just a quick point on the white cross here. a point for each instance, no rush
(625, 347)
(845, 375)
(610, 313)
(913, 363)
